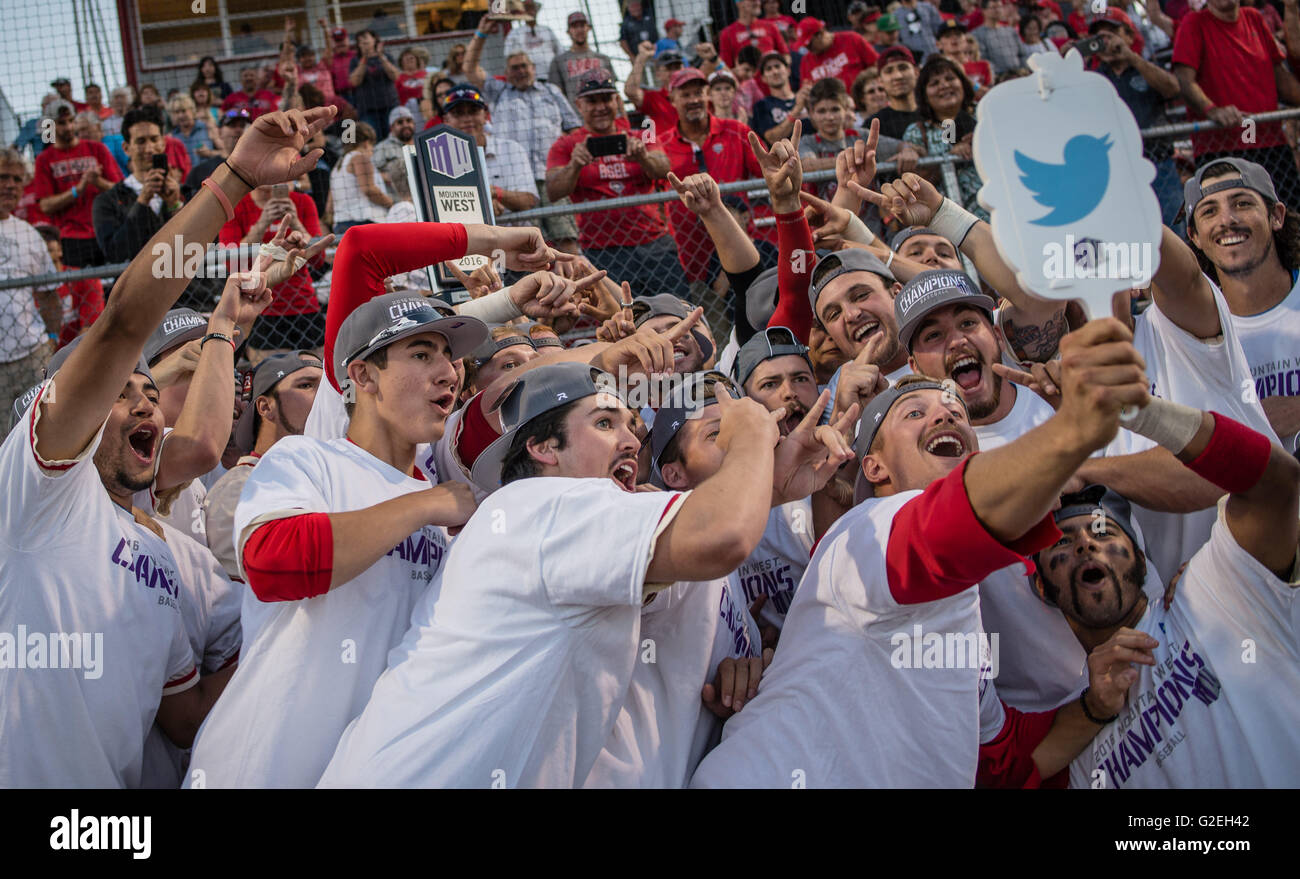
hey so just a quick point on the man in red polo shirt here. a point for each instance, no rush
(1229, 66)
(750, 30)
(69, 174)
(632, 244)
(256, 101)
(701, 143)
(844, 54)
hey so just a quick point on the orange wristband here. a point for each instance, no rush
(221, 197)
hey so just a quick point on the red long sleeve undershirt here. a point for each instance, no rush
(369, 254)
(1008, 760)
(792, 307)
(290, 559)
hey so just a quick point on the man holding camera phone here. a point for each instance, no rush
(605, 159)
(128, 215)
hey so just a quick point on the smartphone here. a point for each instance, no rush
(280, 190)
(160, 162)
(608, 145)
(1091, 46)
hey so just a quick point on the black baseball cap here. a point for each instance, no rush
(932, 290)
(230, 117)
(695, 393)
(1090, 501)
(669, 56)
(180, 325)
(463, 93)
(598, 83)
(952, 26)
(260, 381)
(394, 316)
(764, 345)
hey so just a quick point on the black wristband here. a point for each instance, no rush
(226, 162)
(1083, 701)
(210, 336)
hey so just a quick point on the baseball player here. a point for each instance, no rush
(933, 522)
(87, 443)
(343, 536)
(514, 673)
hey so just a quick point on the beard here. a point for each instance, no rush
(1097, 618)
(1252, 265)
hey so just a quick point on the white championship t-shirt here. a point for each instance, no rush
(309, 668)
(1029, 411)
(776, 565)
(1271, 342)
(1218, 710)
(91, 636)
(513, 673)
(664, 730)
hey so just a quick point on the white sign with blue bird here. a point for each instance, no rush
(1065, 184)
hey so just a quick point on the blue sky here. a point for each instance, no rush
(39, 44)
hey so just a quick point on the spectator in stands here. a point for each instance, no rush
(509, 170)
(410, 82)
(671, 41)
(233, 124)
(946, 99)
(89, 127)
(209, 113)
(431, 104)
(774, 115)
(315, 72)
(888, 33)
(190, 130)
(372, 76)
(749, 85)
(979, 71)
(356, 186)
(632, 244)
(30, 133)
(723, 102)
(638, 27)
(1229, 65)
(63, 86)
(784, 23)
(120, 100)
(701, 143)
(293, 320)
(1146, 89)
(250, 97)
(70, 173)
(1031, 34)
(843, 54)
(151, 97)
(30, 318)
(387, 157)
(653, 102)
(80, 301)
(862, 19)
(869, 97)
(533, 114)
(129, 214)
(571, 67)
(95, 101)
(955, 44)
(339, 56)
(537, 40)
(918, 22)
(29, 209)
(750, 30)
(830, 134)
(998, 36)
(209, 74)
(453, 67)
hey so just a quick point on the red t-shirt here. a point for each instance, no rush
(262, 102)
(319, 76)
(341, 66)
(296, 295)
(655, 104)
(1234, 66)
(980, 73)
(411, 85)
(29, 209)
(177, 155)
(610, 177)
(727, 158)
(737, 35)
(847, 56)
(58, 170)
(436, 120)
(83, 302)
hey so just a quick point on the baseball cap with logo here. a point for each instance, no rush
(260, 381)
(686, 76)
(932, 290)
(688, 400)
(231, 117)
(894, 53)
(1253, 176)
(400, 112)
(393, 317)
(533, 394)
(485, 352)
(340, 34)
(807, 29)
(65, 352)
(887, 23)
(646, 307)
(21, 402)
(764, 345)
(873, 416)
(951, 27)
(669, 56)
(462, 94)
(598, 83)
(180, 325)
(842, 262)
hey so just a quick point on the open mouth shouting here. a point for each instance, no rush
(142, 441)
(945, 442)
(860, 334)
(624, 473)
(796, 413)
(444, 402)
(1092, 576)
(967, 370)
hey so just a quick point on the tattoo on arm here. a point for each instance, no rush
(1036, 343)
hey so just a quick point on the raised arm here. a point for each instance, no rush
(632, 88)
(474, 71)
(701, 196)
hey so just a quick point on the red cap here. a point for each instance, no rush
(674, 22)
(339, 33)
(807, 29)
(686, 75)
(872, 16)
(894, 53)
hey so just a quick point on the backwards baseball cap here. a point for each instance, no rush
(1091, 498)
(760, 298)
(65, 352)
(696, 393)
(598, 83)
(646, 307)
(907, 233)
(1253, 176)
(807, 29)
(669, 56)
(577, 18)
(464, 93)
(686, 76)
(260, 381)
(893, 53)
(395, 316)
(400, 112)
(764, 345)
(831, 266)
(485, 352)
(230, 117)
(533, 394)
(873, 416)
(178, 326)
(21, 402)
(932, 290)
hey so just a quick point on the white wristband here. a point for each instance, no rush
(953, 222)
(858, 231)
(1172, 425)
(278, 254)
(495, 308)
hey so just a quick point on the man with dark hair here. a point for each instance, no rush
(131, 212)
(569, 68)
(250, 97)
(898, 72)
(999, 38)
(70, 173)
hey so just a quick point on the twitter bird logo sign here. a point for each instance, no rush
(1068, 192)
(1073, 188)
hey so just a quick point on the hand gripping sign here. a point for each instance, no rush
(1065, 184)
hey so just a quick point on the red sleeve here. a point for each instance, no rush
(779, 40)
(290, 559)
(1266, 38)
(1188, 42)
(865, 51)
(792, 307)
(560, 153)
(368, 254)
(107, 164)
(937, 547)
(177, 156)
(307, 213)
(43, 185)
(230, 101)
(1008, 760)
(727, 46)
(476, 433)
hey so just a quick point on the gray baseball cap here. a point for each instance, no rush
(932, 290)
(841, 262)
(760, 298)
(689, 400)
(535, 393)
(394, 316)
(178, 326)
(873, 416)
(907, 233)
(485, 352)
(21, 402)
(65, 352)
(1087, 502)
(646, 307)
(1253, 176)
(772, 342)
(260, 381)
